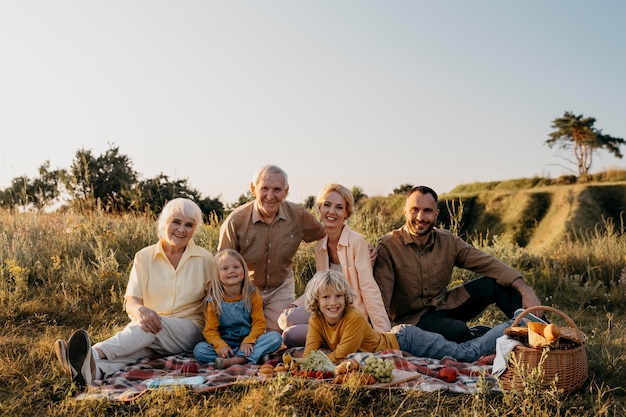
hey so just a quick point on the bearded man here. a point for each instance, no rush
(414, 269)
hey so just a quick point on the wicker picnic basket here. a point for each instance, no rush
(568, 363)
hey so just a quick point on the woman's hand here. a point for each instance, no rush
(149, 320)
(373, 253)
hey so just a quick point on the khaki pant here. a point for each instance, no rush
(132, 343)
(275, 301)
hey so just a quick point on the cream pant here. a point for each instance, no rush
(132, 343)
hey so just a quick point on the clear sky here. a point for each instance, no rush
(373, 94)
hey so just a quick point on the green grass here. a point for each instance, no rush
(64, 271)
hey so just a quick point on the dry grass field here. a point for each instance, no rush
(63, 271)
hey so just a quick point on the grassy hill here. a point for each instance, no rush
(533, 213)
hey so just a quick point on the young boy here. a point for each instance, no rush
(336, 325)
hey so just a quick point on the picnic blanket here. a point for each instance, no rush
(158, 373)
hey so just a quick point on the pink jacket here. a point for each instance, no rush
(356, 266)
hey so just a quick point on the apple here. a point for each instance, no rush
(190, 368)
(447, 374)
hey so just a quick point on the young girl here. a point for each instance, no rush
(234, 327)
(335, 324)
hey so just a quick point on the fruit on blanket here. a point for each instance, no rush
(287, 358)
(552, 332)
(447, 374)
(190, 368)
(379, 368)
(367, 379)
(340, 378)
(280, 367)
(360, 378)
(341, 369)
(348, 365)
(352, 365)
(266, 370)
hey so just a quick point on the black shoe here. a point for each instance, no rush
(479, 330)
(80, 358)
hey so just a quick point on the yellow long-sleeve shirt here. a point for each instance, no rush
(352, 334)
(211, 330)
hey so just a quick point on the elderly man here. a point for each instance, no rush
(267, 232)
(414, 268)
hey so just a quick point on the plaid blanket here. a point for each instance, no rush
(173, 372)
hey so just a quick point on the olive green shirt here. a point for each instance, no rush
(414, 279)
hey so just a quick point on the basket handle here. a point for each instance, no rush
(545, 308)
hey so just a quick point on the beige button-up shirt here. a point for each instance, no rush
(412, 280)
(173, 292)
(269, 249)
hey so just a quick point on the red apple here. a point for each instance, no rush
(190, 368)
(447, 374)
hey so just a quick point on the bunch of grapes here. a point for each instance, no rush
(379, 368)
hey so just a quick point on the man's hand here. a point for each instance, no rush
(529, 298)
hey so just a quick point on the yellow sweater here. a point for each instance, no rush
(352, 334)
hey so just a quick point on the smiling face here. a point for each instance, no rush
(332, 304)
(269, 192)
(180, 230)
(333, 210)
(230, 271)
(420, 211)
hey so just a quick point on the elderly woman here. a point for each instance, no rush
(164, 300)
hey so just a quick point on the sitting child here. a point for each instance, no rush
(336, 325)
(234, 328)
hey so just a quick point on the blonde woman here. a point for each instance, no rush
(345, 251)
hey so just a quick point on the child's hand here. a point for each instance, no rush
(247, 348)
(225, 352)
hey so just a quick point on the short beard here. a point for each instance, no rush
(414, 230)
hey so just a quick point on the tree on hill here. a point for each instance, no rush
(578, 134)
(358, 194)
(403, 189)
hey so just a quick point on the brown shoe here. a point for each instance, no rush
(60, 348)
(223, 363)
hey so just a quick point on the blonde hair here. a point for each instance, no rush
(342, 191)
(183, 206)
(215, 287)
(324, 282)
